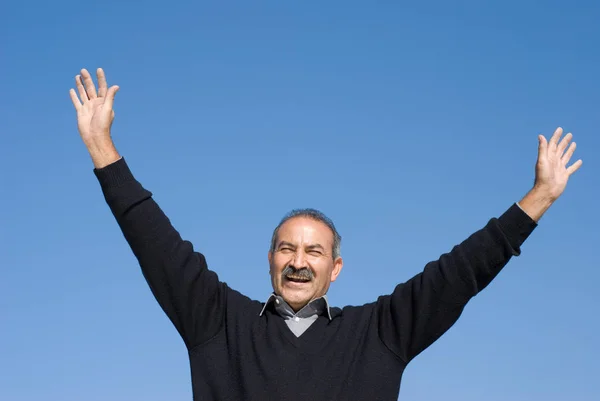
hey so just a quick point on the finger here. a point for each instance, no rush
(102, 86)
(75, 99)
(563, 143)
(574, 167)
(89, 84)
(110, 96)
(555, 137)
(567, 156)
(82, 94)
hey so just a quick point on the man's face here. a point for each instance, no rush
(301, 265)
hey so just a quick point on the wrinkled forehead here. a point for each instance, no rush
(304, 230)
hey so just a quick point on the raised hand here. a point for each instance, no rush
(95, 116)
(551, 171)
(551, 174)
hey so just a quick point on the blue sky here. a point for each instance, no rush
(409, 125)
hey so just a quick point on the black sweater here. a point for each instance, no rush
(360, 354)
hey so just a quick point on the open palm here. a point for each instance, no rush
(94, 108)
(551, 170)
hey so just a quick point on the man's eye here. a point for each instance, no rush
(315, 253)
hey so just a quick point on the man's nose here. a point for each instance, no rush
(299, 260)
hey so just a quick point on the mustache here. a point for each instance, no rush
(303, 272)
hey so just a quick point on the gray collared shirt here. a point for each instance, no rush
(299, 321)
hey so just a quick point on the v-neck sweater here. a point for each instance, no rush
(237, 353)
(299, 321)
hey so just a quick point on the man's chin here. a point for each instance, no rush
(296, 297)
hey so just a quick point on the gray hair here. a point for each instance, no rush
(317, 216)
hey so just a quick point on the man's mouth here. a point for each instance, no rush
(297, 279)
(303, 275)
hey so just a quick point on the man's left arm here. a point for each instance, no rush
(422, 309)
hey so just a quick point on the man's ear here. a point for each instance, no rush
(338, 264)
(270, 258)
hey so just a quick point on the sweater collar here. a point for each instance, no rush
(317, 307)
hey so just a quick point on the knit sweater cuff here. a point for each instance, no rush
(114, 175)
(517, 225)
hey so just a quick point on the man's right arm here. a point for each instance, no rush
(188, 292)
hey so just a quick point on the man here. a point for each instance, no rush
(295, 346)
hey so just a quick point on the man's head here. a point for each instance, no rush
(304, 257)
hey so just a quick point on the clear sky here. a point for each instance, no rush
(409, 124)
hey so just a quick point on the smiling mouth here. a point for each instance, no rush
(296, 279)
(302, 275)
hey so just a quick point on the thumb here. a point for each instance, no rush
(110, 96)
(542, 146)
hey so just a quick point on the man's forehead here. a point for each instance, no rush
(304, 226)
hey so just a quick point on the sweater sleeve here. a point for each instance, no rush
(422, 309)
(188, 292)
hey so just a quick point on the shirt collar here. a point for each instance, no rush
(317, 306)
